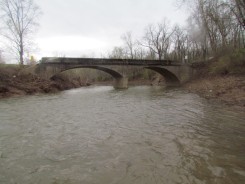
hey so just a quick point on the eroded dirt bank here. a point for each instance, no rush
(228, 89)
(12, 83)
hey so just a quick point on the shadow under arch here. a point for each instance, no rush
(170, 78)
(113, 73)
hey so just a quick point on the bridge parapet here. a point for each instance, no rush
(102, 61)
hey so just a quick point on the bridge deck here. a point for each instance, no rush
(101, 61)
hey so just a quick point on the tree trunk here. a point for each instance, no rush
(21, 53)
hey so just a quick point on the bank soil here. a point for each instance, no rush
(228, 89)
(12, 83)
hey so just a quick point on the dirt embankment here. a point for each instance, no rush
(228, 89)
(12, 83)
(224, 86)
(222, 78)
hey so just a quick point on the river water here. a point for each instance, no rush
(98, 135)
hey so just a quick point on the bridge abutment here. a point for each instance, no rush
(121, 83)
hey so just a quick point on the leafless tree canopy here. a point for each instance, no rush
(130, 44)
(18, 19)
(213, 27)
(219, 25)
(158, 39)
(239, 10)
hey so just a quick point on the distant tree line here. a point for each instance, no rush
(213, 28)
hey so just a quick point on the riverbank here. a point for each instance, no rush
(228, 89)
(12, 83)
(221, 79)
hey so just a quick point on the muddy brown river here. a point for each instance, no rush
(98, 135)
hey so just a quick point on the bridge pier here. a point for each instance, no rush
(121, 83)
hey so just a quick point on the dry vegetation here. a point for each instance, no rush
(12, 83)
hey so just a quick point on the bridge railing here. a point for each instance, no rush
(102, 61)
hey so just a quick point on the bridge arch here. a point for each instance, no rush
(120, 82)
(111, 72)
(170, 78)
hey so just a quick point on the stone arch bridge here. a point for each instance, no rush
(174, 72)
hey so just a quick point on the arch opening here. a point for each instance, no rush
(170, 78)
(120, 82)
(111, 72)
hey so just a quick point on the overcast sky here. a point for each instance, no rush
(76, 28)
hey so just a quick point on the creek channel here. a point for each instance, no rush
(98, 135)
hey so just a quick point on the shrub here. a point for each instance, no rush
(231, 63)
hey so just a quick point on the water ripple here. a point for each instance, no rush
(100, 135)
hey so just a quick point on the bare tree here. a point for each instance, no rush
(19, 19)
(240, 11)
(132, 48)
(117, 53)
(180, 41)
(130, 44)
(158, 39)
(1, 57)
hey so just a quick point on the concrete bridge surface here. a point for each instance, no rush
(174, 72)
